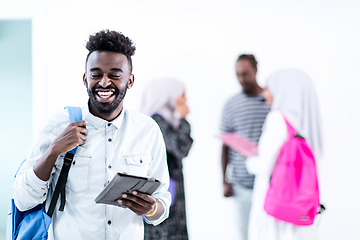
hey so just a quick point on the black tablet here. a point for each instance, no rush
(124, 183)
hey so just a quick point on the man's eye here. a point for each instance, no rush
(116, 76)
(95, 76)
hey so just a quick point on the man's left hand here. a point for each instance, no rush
(140, 203)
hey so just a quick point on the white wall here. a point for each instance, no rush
(15, 54)
(198, 43)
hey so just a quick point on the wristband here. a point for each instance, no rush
(153, 213)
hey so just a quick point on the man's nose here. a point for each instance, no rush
(105, 82)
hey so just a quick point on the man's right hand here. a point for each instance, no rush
(71, 137)
(74, 135)
(181, 108)
(228, 190)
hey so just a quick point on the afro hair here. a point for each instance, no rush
(112, 41)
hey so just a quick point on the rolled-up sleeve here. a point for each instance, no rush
(28, 189)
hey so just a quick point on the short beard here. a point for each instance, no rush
(107, 108)
(250, 89)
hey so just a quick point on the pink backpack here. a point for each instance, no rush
(293, 194)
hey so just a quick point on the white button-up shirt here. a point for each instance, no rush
(131, 143)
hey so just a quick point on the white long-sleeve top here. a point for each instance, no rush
(261, 225)
(131, 143)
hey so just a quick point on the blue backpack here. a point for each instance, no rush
(34, 223)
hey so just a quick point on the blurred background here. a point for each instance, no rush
(42, 60)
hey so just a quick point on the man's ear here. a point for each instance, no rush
(84, 79)
(131, 81)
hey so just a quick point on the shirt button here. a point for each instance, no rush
(73, 162)
(109, 140)
(109, 222)
(141, 161)
(109, 124)
(109, 166)
(44, 194)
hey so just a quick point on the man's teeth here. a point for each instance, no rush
(105, 94)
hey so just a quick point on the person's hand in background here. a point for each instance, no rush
(181, 108)
(228, 191)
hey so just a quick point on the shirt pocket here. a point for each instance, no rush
(137, 165)
(79, 174)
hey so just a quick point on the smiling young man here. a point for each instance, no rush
(111, 139)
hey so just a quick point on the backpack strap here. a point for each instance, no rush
(322, 209)
(75, 114)
(290, 129)
(19, 167)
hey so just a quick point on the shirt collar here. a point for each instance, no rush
(99, 122)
